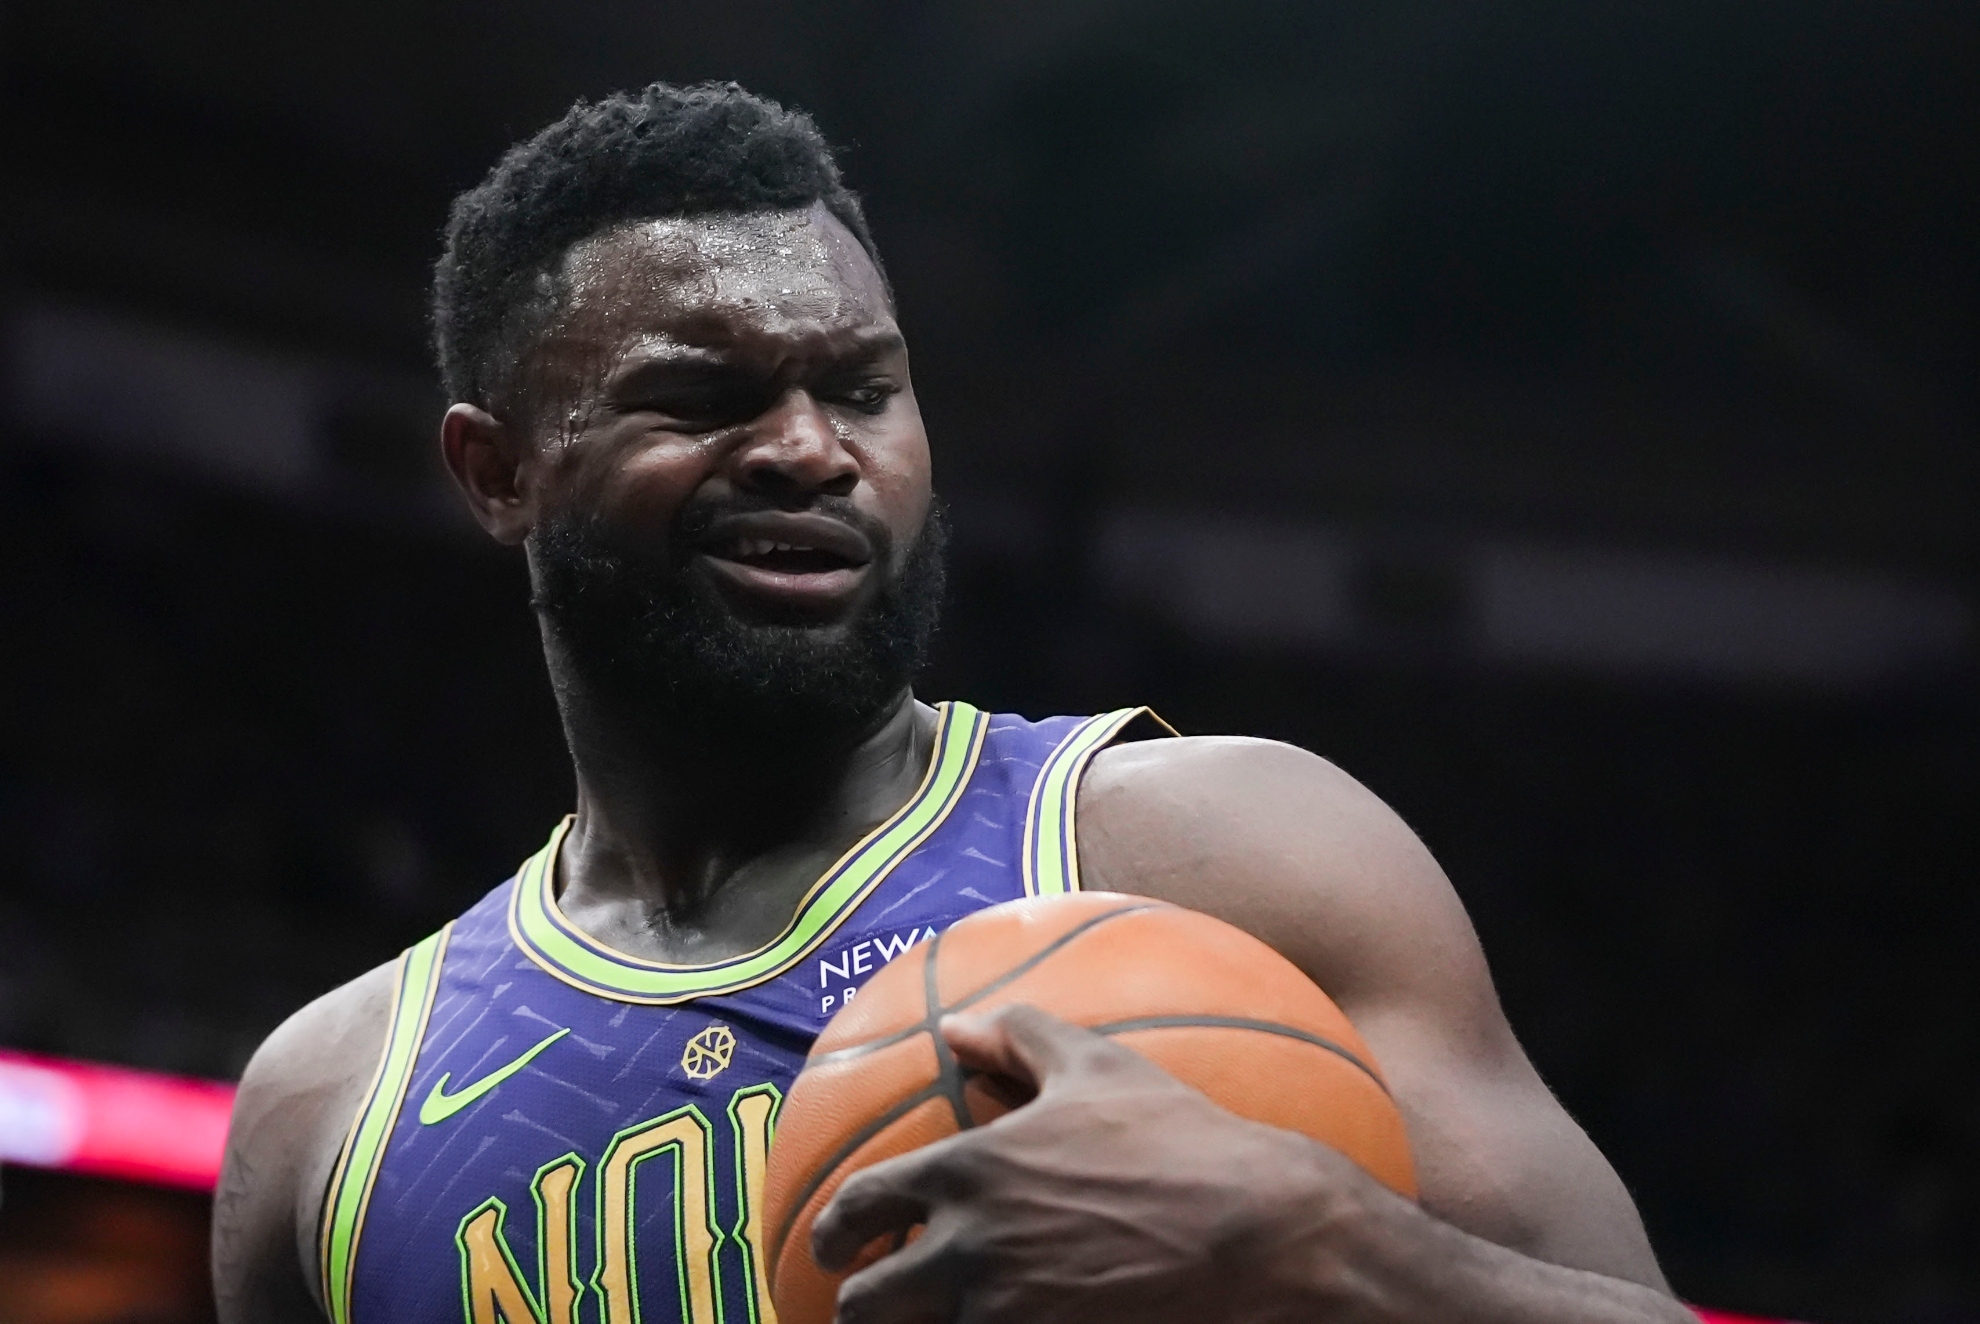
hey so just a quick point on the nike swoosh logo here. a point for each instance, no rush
(440, 1105)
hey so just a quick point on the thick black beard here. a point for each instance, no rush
(660, 654)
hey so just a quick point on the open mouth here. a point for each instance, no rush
(802, 559)
(788, 558)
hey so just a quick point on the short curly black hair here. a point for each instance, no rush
(661, 151)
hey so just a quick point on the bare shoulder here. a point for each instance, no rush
(296, 1101)
(1197, 783)
(1283, 843)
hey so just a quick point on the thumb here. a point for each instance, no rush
(1018, 1041)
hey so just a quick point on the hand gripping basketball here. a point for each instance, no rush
(1140, 1164)
(1121, 1193)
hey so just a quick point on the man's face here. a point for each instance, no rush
(725, 488)
(736, 386)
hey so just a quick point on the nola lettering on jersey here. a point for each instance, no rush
(718, 1265)
(851, 965)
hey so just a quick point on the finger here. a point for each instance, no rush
(917, 1284)
(1020, 1041)
(886, 1199)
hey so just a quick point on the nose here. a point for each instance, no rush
(794, 450)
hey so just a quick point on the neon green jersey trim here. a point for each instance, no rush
(1051, 846)
(364, 1148)
(553, 942)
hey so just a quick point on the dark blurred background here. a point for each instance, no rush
(1559, 414)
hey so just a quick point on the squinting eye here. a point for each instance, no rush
(871, 398)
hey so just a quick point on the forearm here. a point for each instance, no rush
(1384, 1261)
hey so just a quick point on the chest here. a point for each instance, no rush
(563, 1156)
(563, 1133)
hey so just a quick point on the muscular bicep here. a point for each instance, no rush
(295, 1101)
(1285, 845)
(1496, 1153)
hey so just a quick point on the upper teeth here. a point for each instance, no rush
(764, 546)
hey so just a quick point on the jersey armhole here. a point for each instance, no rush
(1051, 827)
(341, 1217)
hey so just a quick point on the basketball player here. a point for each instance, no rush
(682, 390)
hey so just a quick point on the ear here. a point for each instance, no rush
(487, 460)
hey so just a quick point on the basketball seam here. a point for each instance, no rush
(948, 1074)
(1022, 968)
(1239, 1023)
(846, 1151)
(1030, 963)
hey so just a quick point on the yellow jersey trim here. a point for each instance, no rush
(349, 1194)
(1051, 826)
(542, 931)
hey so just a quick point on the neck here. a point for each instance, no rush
(670, 822)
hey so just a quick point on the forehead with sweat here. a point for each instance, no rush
(761, 288)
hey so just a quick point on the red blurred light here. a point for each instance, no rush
(112, 1121)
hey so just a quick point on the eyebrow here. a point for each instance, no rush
(664, 358)
(657, 353)
(880, 339)
(673, 371)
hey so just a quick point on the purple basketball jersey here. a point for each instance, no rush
(559, 1132)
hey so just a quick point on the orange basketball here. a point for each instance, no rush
(1207, 1002)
